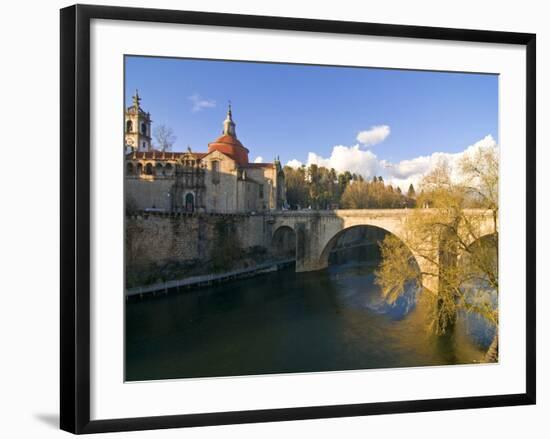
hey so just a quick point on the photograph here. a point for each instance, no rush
(294, 218)
(266, 220)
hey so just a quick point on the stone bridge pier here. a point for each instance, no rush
(317, 232)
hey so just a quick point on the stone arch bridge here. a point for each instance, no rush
(318, 231)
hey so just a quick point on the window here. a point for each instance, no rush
(128, 126)
(143, 129)
(189, 202)
(148, 169)
(215, 171)
(261, 187)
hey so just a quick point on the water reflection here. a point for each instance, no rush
(475, 325)
(359, 286)
(286, 322)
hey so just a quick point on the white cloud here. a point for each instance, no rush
(406, 172)
(347, 158)
(406, 168)
(373, 135)
(200, 103)
(402, 174)
(259, 159)
(294, 163)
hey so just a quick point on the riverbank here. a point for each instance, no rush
(206, 280)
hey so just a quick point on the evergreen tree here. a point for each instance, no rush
(411, 193)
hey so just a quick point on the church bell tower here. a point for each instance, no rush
(137, 127)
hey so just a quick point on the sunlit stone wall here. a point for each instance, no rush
(157, 238)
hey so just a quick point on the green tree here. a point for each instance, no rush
(334, 192)
(323, 188)
(356, 196)
(297, 192)
(314, 186)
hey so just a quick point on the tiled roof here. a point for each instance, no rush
(229, 139)
(258, 165)
(176, 155)
(230, 146)
(159, 155)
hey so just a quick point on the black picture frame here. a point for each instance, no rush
(75, 217)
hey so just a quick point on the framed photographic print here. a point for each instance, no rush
(268, 218)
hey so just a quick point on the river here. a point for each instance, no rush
(287, 322)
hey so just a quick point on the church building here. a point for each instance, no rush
(219, 180)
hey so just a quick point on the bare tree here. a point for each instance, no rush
(439, 236)
(164, 137)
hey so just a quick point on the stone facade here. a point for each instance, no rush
(157, 238)
(221, 180)
(161, 246)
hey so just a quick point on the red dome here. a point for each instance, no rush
(230, 146)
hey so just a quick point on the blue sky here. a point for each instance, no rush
(293, 110)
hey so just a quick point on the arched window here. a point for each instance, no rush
(148, 169)
(189, 202)
(129, 169)
(158, 169)
(168, 169)
(139, 169)
(128, 126)
(143, 129)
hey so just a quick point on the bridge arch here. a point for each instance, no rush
(283, 242)
(317, 231)
(490, 238)
(486, 254)
(332, 242)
